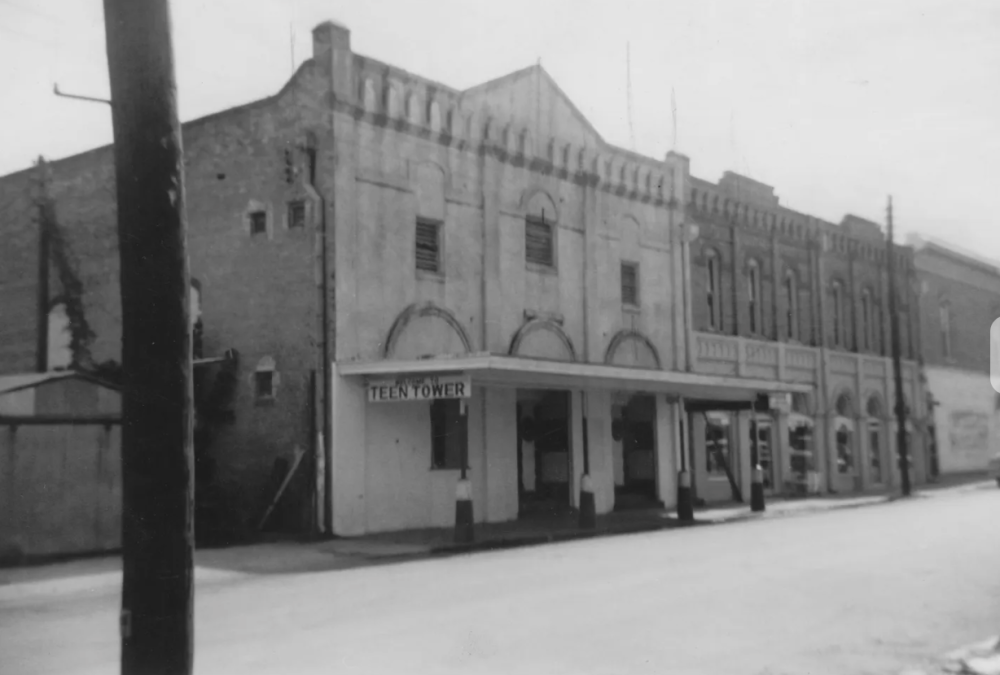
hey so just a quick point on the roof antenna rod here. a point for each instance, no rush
(55, 89)
(673, 116)
(628, 92)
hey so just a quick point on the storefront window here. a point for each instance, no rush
(845, 448)
(762, 429)
(718, 453)
(875, 450)
(449, 434)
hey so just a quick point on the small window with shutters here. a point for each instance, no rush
(630, 284)
(428, 246)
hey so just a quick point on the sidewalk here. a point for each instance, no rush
(96, 576)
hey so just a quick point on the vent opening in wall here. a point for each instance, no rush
(538, 247)
(630, 284)
(428, 245)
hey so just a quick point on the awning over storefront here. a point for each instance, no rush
(512, 371)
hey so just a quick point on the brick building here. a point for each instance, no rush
(779, 293)
(959, 300)
(417, 277)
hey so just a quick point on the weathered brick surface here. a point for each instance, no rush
(258, 294)
(971, 290)
(741, 220)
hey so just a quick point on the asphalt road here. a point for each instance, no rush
(869, 590)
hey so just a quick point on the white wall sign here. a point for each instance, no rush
(780, 402)
(420, 388)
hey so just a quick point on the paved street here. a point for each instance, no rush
(869, 590)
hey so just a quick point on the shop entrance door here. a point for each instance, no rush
(636, 427)
(763, 429)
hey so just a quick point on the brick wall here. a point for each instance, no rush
(972, 294)
(258, 293)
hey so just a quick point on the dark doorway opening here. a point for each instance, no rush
(634, 435)
(543, 452)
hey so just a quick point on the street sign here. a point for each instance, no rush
(420, 388)
(780, 402)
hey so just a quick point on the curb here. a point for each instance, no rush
(673, 524)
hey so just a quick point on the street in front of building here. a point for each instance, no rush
(879, 589)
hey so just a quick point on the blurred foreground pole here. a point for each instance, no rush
(897, 368)
(157, 631)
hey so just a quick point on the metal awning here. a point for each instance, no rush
(512, 371)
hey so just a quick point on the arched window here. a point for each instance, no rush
(843, 425)
(713, 290)
(791, 306)
(864, 330)
(194, 315)
(60, 338)
(837, 312)
(944, 319)
(753, 293)
(540, 231)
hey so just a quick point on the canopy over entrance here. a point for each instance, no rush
(512, 371)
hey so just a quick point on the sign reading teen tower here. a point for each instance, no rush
(420, 388)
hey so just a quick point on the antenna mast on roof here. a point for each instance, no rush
(673, 116)
(628, 92)
(291, 39)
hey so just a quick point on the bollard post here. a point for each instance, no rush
(757, 489)
(464, 532)
(685, 502)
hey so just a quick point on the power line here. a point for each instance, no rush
(33, 10)
(26, 36)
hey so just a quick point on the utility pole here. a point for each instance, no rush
(157, 632)
(44, 208)
(897, 369)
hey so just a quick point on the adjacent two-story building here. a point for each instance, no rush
(960, 299)
(470, 293)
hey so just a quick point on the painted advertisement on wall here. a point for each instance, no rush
(969, 432)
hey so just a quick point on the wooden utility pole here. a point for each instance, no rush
(157, 415)
(897, 369)
(44, 208)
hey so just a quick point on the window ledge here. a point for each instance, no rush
(541, 269)
(631, 309)
(444, 468)
(427, 275)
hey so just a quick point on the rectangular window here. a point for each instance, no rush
(630, 284)
(449, 434)
(538, 247)
(790, 317)
(428, 246)
(296, 215)
(264, 384)
(713, 289)
(258, 222)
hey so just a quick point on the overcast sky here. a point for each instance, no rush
(836, 103)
